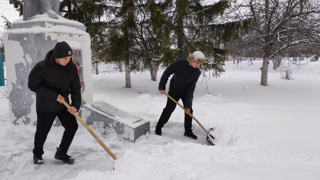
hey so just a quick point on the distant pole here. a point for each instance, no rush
(1, 71)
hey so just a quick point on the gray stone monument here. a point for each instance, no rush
(27, 43)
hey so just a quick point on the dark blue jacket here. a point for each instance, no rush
(48, 80)
(184, 80)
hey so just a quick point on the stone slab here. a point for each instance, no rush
(113, 119)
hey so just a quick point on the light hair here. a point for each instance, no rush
(191, 58)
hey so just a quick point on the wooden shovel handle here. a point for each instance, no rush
(90, 130)
(189, 112)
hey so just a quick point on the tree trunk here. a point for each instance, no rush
(127, 58)
(265, 63)
(181, 13)
(277, 61)
(264, 72)
(127, 73)
(97, 67)
(153, 71)
(154, 75)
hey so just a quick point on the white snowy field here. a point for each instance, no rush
(262, 133)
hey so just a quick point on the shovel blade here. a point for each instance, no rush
(210, 137)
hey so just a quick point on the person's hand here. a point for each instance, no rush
(186, 110)
(59, 98)
(161, 91)
(72, 110)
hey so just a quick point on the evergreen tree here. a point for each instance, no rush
(139, 36)
(88, 12)
(203, 27)
(155, 32)
(152, 36)
(119, 36)
(146, 33)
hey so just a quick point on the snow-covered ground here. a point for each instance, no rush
(262, 133)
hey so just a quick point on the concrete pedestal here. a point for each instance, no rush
(27, 43)
(112, 119)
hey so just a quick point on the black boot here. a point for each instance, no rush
(63, 157)
(158, 130)
(37, 159)
(190, 135)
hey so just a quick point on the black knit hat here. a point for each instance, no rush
(62, 49)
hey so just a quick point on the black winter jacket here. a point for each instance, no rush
(48, 80)
(183, 81)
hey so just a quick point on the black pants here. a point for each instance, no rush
(44, 123)
(170, 107)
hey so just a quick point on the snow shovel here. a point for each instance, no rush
(209, 137)
(90, 130)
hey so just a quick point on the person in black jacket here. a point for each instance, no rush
(182, 85)
(53, 79)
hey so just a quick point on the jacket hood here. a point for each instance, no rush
(49, 54)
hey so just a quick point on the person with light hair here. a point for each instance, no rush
(186, 73)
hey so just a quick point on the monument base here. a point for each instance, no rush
(112, 119)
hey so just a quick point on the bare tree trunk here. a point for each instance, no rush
(265, 63)
(97, 67)
(127, 58)
(154, 75)
(264, 71)
(153, 71)
(127, 73)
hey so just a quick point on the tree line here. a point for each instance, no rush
(144, 34)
